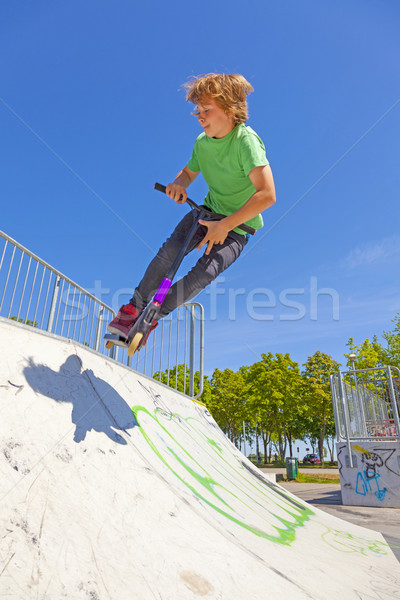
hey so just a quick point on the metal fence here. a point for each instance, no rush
(34, 293)
(366, 404)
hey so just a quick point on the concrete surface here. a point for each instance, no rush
(328, 497)
(115, 487)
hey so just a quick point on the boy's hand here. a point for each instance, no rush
(176, 192)
(216, 234)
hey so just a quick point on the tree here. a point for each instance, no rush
(369, 355)
(178, 378)
(275, 389)
(260, 402)
(373, 354)
(227, 402)
(318, 369)
(330, 442)
(392, 338)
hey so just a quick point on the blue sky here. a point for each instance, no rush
(92, 113)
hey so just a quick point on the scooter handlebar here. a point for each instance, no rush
(214, 216)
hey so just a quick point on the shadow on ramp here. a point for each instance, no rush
(87, 394)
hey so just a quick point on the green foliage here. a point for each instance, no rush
(392, 339)
(368, 354)
(178, 378)
(375, 354)
(27, 322)
(228, 402)
(274, 392)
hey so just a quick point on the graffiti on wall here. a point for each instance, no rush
(373, 463)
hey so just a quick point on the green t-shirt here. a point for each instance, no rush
(225, 164)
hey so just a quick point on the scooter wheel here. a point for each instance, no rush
(137, 338)
(109, 345)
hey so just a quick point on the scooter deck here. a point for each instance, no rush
(114, 339)
(131, 345)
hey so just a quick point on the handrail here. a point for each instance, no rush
(52, 269)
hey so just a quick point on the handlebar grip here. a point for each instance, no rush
(161, 188)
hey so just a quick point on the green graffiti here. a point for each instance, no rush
(346, 542)
(242, 489)
(214, 444)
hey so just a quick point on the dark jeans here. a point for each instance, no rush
(204, 272)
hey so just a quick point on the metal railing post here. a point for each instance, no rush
(393, 400)
(345, 418)
(97, 336)
(53, 304)
(191, 352)
(360, 399)
(201, 345)
(201, 352)
(335, 405)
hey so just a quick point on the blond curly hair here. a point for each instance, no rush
(229, 91)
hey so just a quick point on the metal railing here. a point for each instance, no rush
(35, 293)
(366, 404)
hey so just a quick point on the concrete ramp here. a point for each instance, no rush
(115, 487)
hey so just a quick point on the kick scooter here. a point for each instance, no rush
(150, 314)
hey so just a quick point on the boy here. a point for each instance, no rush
(232, 159)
